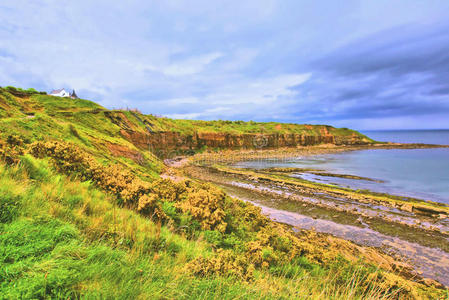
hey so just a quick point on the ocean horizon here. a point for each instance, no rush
(426, 136)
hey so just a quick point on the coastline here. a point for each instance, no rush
(406, 225)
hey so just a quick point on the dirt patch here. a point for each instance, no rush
(119, 150)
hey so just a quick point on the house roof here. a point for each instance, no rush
(57, 91)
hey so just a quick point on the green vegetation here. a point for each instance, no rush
(84, 214)
(86, 113)
(241, 127)
(62, 237)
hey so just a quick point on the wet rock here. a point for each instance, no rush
(431, 282)
(388, 218)
(407, 207)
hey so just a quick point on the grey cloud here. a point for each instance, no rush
(400, 72)
(400, 50)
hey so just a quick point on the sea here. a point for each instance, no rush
(417, 173)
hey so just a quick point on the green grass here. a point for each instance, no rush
(242, 127)
(62, 238)
(66, 239)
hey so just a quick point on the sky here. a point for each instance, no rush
(380, 64)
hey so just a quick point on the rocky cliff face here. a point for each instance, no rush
(167, 141)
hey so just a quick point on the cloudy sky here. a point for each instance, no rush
(362, 64)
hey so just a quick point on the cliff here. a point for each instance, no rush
(188, 135)
(169, 140)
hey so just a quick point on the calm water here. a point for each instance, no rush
(420, 173)
(440, 137)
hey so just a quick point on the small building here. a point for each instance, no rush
(60, 93)
(64, 93)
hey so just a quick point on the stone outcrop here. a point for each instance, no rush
(175, 140)
(179, 141)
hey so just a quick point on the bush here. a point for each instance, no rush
(150, 206)
(71, 160)
(11, 150)
(19, 92)
(225, 263)
(213, 237)
(205, 203)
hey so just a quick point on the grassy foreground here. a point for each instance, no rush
(62, 238)
(81, 219)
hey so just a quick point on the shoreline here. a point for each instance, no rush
(228, 157)
(396, 226)
(395, 232)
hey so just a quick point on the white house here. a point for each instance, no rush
(60, 93)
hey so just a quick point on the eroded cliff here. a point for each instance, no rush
(198, 138)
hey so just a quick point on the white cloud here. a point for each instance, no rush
(254, 98)
(190, 66)
(184, 116)
(258, 91)
(204, 114)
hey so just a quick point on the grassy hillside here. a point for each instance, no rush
(88, 115)
(37, 117)
(241, 127)
(84, 214)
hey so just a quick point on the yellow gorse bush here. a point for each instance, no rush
(205, 203)
(224, 263)
(149, 205)
(11, 149)
(70, 159)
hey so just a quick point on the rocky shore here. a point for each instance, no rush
(412, 231)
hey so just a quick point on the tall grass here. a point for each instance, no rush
(66, 239)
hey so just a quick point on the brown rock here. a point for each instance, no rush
(431, 282)
(407, 207)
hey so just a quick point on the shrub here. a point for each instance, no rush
(11, 150)
(19, 92)
(67, 158)
(213, 237)
(71, 160)
(206, 204)
(149, 205)
(168, 190)
(224, 263)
